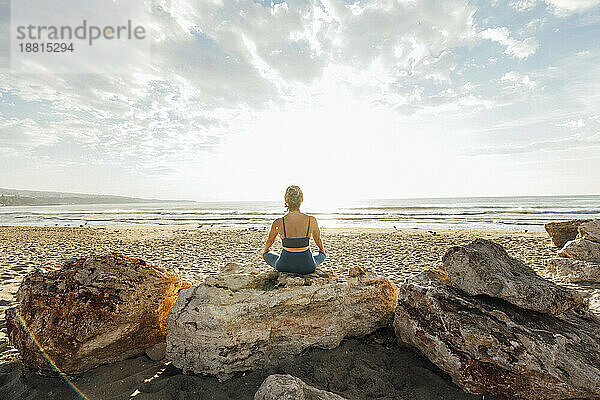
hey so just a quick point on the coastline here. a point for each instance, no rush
(198, 252)
(497, 213)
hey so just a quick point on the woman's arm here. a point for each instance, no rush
(317, 236)
(272, 235)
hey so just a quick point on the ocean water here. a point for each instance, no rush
(498, 213)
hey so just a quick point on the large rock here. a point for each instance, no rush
(245, 318)
(287, 387)
(489, 346)
(484, 267)
(590, 230)
(573, 270)
(91, 311)
(581, 249)
(562, 232)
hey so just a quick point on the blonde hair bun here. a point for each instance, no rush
(293, 198)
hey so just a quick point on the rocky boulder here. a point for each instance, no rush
(245, 318)
(91, 311)
(157, 352)
(581, 249)
(570, 270)
(562, 232)
(492, 347)
(484, 267)
(590, 230)
(287, 387)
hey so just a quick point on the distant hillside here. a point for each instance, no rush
(12, 197)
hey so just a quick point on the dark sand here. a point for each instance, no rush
(369, 368)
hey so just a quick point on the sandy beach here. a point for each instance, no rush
(359, 368)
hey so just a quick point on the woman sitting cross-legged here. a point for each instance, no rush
(295, 229)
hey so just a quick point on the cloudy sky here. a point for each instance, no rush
(349, 99)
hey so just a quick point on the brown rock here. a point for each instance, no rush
(157, 352)
(491, 347)
(92, 311)
(287, 387)
(562, 232)
(245, 319)
(590, 230)
(484, 267)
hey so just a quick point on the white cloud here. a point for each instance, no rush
(217, 62)
(573, 124)
(533, 25)
(566, 7)
(561, 8)
(520, 49)
(517, 81)
(523, 5)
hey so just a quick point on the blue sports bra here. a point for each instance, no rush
(295, 243)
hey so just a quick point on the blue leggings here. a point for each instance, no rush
(299, 263)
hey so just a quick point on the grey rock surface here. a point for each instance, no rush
(287, 387)
(581, 249)
(571, 270)
(157, 352)
(484, 267)
(245, 318)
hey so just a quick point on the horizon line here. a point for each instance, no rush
(136, 197)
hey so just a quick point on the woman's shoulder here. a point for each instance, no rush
(312, 218)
